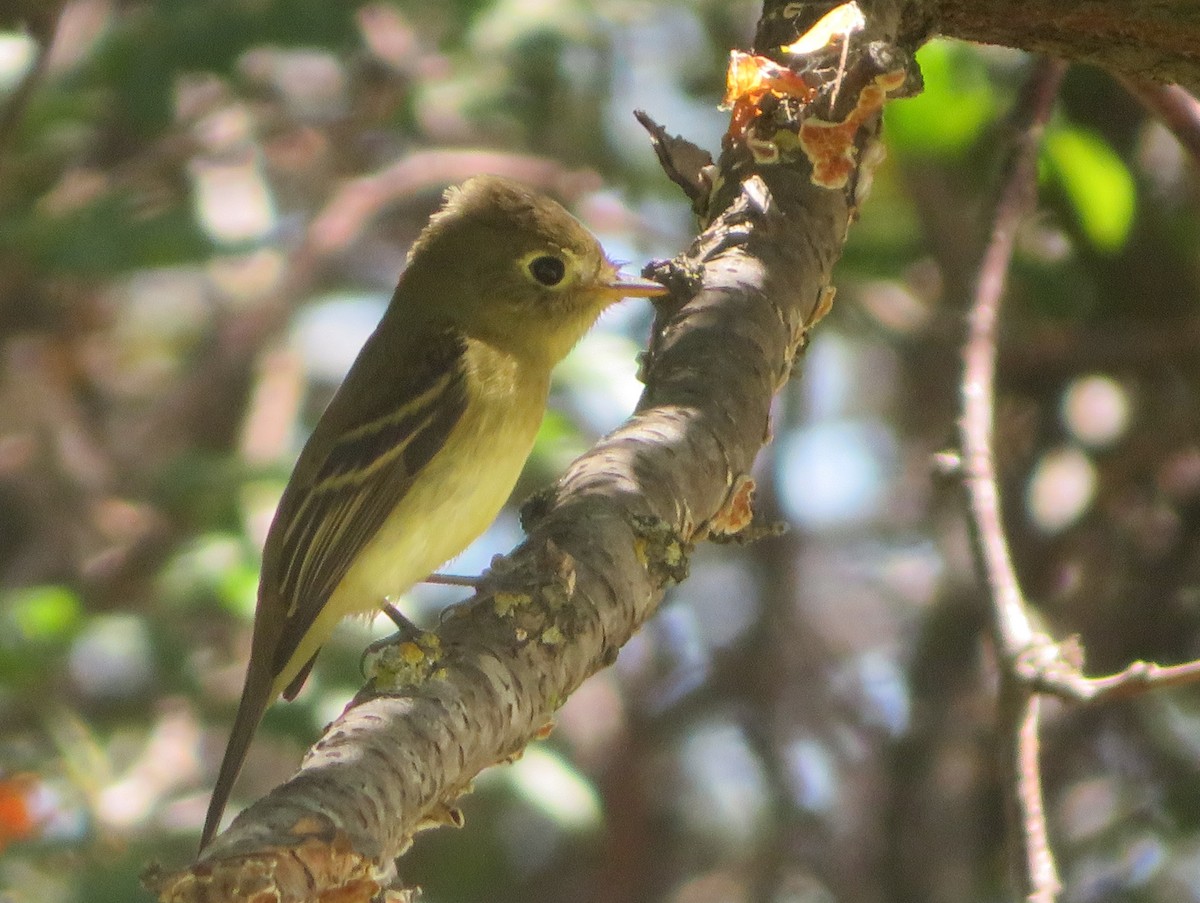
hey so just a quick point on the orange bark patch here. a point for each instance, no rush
(830, 146)
(751, 78)
(738, 511)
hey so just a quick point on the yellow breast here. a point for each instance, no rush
(454, 498)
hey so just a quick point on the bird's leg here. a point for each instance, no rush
(406, 632)
(405, 629)
(454, 580)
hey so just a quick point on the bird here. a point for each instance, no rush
(422, 443)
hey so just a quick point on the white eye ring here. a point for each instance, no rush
(552, 268)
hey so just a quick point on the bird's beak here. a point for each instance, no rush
(619, 285)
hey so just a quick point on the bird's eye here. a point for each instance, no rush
(547, 270)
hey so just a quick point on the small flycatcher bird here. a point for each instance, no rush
(423, 442)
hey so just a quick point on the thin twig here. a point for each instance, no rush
(1033, 663)
(1041, 883)
(1140, 677)
(1012, 628)
(1178, 110)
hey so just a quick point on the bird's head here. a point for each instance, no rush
(514, 268)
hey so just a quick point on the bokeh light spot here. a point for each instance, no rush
(16, 56)
(1096, 410)
(1061, 489)
(555, 788)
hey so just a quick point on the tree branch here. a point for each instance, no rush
(1149, 40)
(617, 529)
(1178, 110)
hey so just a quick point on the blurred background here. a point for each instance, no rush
(203, 209)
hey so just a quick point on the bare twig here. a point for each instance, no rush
(1011, 625)
(1140, 677)
(1041, 883)
(1013, 629)
(1178, 110)
(1033, 663)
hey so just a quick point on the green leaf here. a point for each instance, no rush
(43, 613)
(239, 588)
(556, 428)
(216, 565)
(949, 115)
(1096, 182)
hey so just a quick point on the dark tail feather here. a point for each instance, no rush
(291, 690)
(256, 696)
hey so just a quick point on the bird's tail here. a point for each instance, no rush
(256, 696)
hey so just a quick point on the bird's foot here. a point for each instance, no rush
(406, 632)
(405, 658)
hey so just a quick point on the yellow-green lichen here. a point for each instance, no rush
(407, 663)
(506, 604)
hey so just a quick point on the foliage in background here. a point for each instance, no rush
(186, 269)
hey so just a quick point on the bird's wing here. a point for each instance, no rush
(381, 429)
(394, 411)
